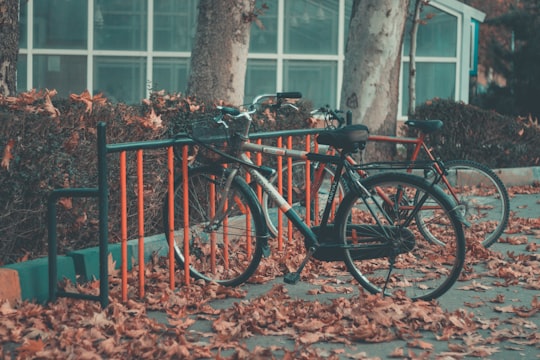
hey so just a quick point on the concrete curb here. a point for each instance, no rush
(29, 280)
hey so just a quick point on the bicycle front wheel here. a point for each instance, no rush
(384, 248)
(225, 230)
(483, 199)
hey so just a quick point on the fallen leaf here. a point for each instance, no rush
(420, 344)
(6, 309)
(8, 156)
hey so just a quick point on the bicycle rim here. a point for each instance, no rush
(298, 192)
(385, 250)
(483, 199)
(225, 250)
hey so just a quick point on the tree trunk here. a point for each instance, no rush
(371, 68)
(412, 57)
(219, 55)
(9, 46)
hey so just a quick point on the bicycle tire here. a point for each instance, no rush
(414, 266)
(483, 197)
(270, 210)
(231, 250)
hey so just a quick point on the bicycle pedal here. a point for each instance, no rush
(291, 278)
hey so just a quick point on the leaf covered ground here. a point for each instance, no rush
(492, 312)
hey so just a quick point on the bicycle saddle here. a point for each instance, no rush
(427, 126)
(349, 138)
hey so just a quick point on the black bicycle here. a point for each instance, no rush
(220, 231)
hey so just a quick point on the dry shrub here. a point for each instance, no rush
(48, 144)
(481, 135)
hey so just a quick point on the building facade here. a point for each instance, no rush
(126, 49)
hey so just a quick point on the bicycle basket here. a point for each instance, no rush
(209, 135)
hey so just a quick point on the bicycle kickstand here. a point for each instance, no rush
(294, 277)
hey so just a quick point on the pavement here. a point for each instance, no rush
(27, 281)
(494, 296)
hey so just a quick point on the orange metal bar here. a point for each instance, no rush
(185, 190)
(212, 192)
(289, 187)
(226, 231)
(280, 189)
(308, 183)
(170, 166)
(226, 238)
(259, 163)
(315, 194)
(140, 213)
(123, 223)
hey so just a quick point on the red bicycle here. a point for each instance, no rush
(481, 195)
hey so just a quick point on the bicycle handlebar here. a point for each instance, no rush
(330, 115)
(236, 113)
(279, 96)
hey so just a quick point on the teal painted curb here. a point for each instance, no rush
(152, 244)
(87, 260)
(34, 277)
(80, 265)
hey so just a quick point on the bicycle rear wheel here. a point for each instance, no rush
(225, 249)
(384, 248)
(483, 197)
(319, 194)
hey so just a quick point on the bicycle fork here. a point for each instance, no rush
(222, 210)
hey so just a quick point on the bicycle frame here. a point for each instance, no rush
(274, 194)
(419, 144)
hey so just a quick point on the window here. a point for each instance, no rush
(120, 25)
(311, 27)
(170, 74)
(128, 48)
(60, 24)
(21, 72)
(436, 58)
(437, 37)
(260, 78)
(23, 24)
(174, 24)
(119, 78)
(315, 78)
(65, 73)
(432, 80)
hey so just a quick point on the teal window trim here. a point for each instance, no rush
(475, 36)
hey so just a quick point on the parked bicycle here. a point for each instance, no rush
(484, 200)
(220, 230)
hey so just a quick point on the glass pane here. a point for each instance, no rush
(120, 25)
(22, 73)
(432, 80)
(23, 24)
(260, 78)
(170, 75)
(120, 79)
(437, 37)
(65, 73)
(175, 23)
(316, 80)
(60, 24)
(311, 27)
(263, 38)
